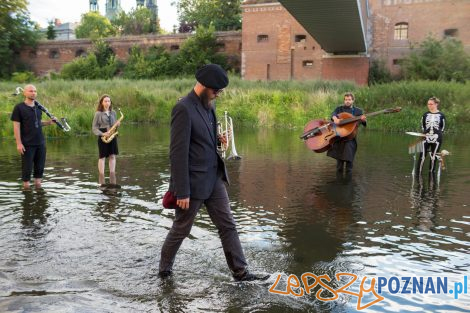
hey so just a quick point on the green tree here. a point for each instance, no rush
(137, 22)
(93, 25)
(437, 60)
(200, 49)
(101, 63)
(50, 33)
(16, 32)
(224, 15)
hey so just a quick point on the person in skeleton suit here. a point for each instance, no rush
(433, 124)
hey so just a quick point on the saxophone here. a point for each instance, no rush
(113, 130)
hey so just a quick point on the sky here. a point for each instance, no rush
(42, 11)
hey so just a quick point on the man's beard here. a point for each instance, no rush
(205, 100)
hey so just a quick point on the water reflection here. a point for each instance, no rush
(425, 197)
(34, 206)
(94, 249)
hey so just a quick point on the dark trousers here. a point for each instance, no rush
(219, 211)
(340, 164)
(432, 149)
(33, 158)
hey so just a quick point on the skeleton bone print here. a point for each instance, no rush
(433, 125)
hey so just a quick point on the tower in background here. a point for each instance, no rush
(94, 6)
(113, 8)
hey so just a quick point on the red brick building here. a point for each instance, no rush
(276, 46)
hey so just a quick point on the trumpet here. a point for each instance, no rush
(113, 130)
(226, 134)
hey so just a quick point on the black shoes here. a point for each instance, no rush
(247, 276)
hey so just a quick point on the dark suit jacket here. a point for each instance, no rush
(195, 162)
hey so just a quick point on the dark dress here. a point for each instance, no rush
(101, 123)
(344, 149)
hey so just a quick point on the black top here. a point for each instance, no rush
(345, 149)
(30, 124)
(195, 163)
(351, 110)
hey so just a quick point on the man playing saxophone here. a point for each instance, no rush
(104, 126)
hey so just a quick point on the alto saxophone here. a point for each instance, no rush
(113, 130)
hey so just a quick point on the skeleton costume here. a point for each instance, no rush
(433, 125)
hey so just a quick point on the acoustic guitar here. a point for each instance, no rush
(320, 134)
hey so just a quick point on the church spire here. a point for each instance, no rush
(94, 6)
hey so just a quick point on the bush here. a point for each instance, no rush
(438, 60)
(379, 73)
(22, 77)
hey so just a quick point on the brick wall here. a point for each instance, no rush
(354, 68)
(52, 55)
(424, 17)
(276, 46)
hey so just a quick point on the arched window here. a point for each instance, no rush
(80, 53)
(54, 54)
(401, 31)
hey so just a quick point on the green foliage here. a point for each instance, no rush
(50, 33)
(283, 104)
(94, 26)
(137, 22)
(196, 51)
(379, 73)
(200, 49)
(223, 15)
(444, 60)
(16, 32)
(22, 77)
(101, 63)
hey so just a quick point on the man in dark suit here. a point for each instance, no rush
(198, 173)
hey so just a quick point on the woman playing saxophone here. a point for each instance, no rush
(104, 125)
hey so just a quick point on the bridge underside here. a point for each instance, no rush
(336, 25)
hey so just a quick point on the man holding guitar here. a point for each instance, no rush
(344, 149)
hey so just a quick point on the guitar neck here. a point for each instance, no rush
(357, 118)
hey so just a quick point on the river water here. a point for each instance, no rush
(72, 247)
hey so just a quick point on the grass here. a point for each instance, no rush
(284, 104)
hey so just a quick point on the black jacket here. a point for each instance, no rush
(194, 160)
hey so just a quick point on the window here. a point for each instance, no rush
(80, 53)
(220, 46)
(263, 38)
(307, 63)
(451, 32)
(54, 54)
(300, 38)
(401, 31)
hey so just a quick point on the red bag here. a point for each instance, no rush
(169, 200)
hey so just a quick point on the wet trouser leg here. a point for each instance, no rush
(219, 211)
(33, 156)
(180, 229)
(339, 165)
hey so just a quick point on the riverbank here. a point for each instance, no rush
(287, 104)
